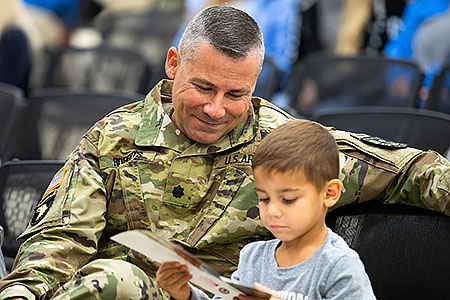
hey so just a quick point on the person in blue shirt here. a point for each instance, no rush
(66, 10)
(402, 40)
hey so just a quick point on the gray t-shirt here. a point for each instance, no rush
(334, 271)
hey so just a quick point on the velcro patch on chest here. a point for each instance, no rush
(376, 141)
(235, 159)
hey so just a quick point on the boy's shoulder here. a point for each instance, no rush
(336, 249)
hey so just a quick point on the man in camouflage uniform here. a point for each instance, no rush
(178, 164)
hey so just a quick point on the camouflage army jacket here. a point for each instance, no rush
(135, 170)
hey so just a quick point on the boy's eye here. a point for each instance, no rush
(263, 199)
(288, 201)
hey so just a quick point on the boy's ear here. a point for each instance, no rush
(333, 190)
(172, 62)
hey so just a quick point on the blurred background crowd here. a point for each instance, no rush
(415, 30)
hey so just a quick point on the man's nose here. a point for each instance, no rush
(215, 107)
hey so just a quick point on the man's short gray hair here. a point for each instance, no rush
(230, 30)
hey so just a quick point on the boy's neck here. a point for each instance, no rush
(291, 253)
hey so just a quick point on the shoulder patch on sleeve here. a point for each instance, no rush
(374, 140)
(56, 181)
(42, 209)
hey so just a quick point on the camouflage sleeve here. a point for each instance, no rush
(65, 228)
(372, 168)
(423, 182)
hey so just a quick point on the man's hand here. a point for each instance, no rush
(261, 288)
(173, 277)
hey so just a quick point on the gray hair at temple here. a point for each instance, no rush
(230, 30)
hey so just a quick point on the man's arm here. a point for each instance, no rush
(64, 231)
(423, 182)
(392, 173)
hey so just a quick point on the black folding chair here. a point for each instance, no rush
(11, 103)
(404, 248)
(22, 184)
(439, 97)
(98, 69)
(55, 120)
(151, 31)
(328, 81)
(268, 80)
(419, 128)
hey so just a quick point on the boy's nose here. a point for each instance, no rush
(274, 210)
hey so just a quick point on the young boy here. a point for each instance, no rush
(296, 171)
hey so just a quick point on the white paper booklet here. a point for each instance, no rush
(162, 250)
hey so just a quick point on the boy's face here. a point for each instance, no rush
(290, 207)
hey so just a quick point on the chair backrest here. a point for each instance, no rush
(404, 248)
(419, 128)
(100, 69)
(55, 120)
(439, 97)
(323, 81)
(22, 184)
(268, 79)
(150, 30)
(11, 103)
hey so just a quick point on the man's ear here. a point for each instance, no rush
(333, 190)
(172, 62)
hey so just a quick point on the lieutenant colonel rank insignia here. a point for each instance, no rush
(374, 140)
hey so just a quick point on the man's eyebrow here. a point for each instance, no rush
(207, 83)
(202, 81)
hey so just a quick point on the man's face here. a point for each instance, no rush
(211, 93)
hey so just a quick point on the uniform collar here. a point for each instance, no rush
(157, 129)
